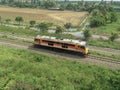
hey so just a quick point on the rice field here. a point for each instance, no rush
(40, 15)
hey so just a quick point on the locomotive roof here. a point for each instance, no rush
(71, 41)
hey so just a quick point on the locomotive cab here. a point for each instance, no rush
(84, 50)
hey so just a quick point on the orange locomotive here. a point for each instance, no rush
(64, 44)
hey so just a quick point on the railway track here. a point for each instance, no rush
(93, 48)
(106, 59)
(92, 59)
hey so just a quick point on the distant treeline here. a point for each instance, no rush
(54, 4)
(50, 4)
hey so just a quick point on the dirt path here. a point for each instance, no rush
(59, 55)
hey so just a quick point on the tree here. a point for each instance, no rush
(59, 30)
(7, 21)
(49, 3)
(0, 19)
(19, 19)
(87, 34)
(97, 21)
(68, 25)
(118, 29)
(32, 23)
(62, 7)
(43, 26)
(102, 14)
(113, 37)
(70, 6)
(113, 17)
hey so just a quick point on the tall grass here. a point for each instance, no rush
(106, 44)
(22, 69)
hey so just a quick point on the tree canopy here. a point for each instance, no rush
(19, 19)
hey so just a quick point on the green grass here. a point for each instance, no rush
(115, 6)
(22, 69)
(109, 28)
(116, 57)
(91, 52)
(28, 32)
(106, 44)
(4, 37)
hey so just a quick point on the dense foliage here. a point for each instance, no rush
(87, 34)
(19, 19)
(102, 15)
(108, 29)
(24, 70)
(48, 4)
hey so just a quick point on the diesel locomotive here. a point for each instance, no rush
(63, 44)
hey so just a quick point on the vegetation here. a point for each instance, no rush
(19, 19)
(44, 26)
(87, 34)
(68, 26)
(8, 20)
(102, 15)
(59, 30)
(107, 44)
(48, 4)
(28, 32)
(108, 28)
(32, 23)
(113, 37)
(114, 57)
(23, 69)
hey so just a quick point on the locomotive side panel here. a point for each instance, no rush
(61, 45)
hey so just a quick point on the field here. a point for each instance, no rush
(22, 69)
(109, 28)
(56, 17)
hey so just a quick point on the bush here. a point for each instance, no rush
(59, 30)
(87, 34)
(97, 21)
(113, 37)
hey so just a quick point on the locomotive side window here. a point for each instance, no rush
(51, 44)
(83, 47)
(36, 40)
(64, 46)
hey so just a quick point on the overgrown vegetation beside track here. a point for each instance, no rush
(28, 32)
(17, 40)
(116, 57)
(107, 44)
(24, 69)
